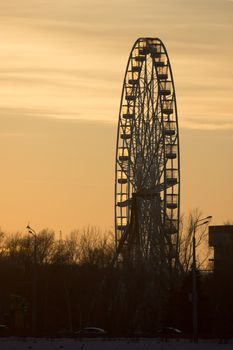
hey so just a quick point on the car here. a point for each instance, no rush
(4, 330)
(90, 332)
(169, 332)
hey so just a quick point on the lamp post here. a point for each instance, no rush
(34, 287)
(198, 223)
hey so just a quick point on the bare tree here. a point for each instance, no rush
(185, 242)
(96, 247)
(21, 247)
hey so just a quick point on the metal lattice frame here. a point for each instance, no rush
(147, 179)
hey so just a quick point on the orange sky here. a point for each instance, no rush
(62, 65)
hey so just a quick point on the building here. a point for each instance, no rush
(221, 239)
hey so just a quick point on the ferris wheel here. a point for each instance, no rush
(147, 174)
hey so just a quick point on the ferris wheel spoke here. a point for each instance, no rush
(153, 156)
(126, 173)
(145, 122)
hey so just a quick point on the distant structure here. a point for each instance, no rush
(221, 239)
(147, 175)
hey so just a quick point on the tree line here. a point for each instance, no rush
(68, 283)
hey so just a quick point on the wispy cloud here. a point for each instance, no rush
(207, 124)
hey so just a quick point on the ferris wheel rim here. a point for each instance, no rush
(142, 39)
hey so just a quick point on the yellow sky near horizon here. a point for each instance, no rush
(62, 65)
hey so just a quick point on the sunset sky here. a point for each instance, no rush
(62, 66)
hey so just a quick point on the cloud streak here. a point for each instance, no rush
(206, 126)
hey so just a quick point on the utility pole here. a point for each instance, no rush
(194, 290)
(34, 285)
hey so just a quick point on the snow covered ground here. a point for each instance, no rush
(107, 344)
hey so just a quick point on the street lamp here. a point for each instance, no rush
(34, 289)
(198, 223)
